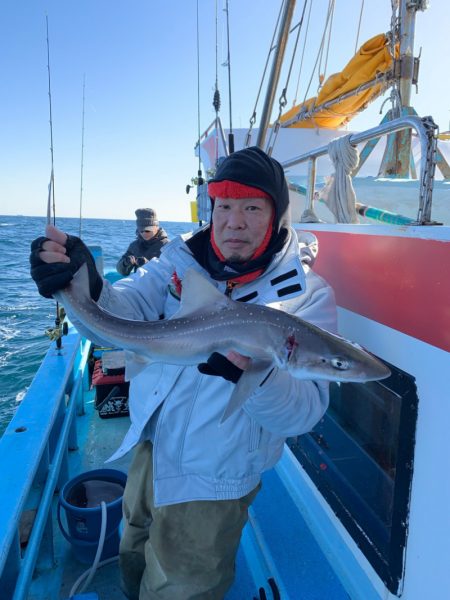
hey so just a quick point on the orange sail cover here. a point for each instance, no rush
(372, 59)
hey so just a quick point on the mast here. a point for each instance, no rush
(276, 70)
(407, 18)
(397, 160)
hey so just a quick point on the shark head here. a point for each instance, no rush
(334, 358)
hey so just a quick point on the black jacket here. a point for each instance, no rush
(141, 248)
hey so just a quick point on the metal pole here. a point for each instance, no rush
(407, 27)
(276, 70)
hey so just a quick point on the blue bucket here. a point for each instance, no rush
(81, 499)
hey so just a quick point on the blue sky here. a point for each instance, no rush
(140, 64)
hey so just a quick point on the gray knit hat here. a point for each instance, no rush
(146, 217)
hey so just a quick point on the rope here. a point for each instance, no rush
(339, 194)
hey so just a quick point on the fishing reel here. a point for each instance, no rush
(61, 326)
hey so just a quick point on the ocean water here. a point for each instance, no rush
(24, 315)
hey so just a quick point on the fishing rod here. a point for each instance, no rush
(228, 63)
(51, 191)
(82, 156)
(56, 332)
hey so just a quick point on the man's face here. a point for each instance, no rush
(240, 226)
(149, 232)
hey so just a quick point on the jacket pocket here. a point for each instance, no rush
(255, 436)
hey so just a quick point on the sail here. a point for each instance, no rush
(372, 59)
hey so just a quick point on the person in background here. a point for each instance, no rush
(150, 238)
(192, 478)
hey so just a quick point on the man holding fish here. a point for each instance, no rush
(217, 379)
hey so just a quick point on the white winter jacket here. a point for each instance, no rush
(195, 457)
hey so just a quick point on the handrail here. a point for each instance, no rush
(33, 451)
(426, 131)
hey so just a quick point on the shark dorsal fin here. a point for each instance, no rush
(199, 295)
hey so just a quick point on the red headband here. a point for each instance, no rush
(233, 189)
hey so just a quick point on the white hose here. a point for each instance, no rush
(89, 573)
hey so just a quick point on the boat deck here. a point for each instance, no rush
(294, 562)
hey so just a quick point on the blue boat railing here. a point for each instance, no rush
(34, 457)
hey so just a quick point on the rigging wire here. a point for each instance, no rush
(282, 99)
(82, 156)
(323, 75)
(320, 50)
(359, 26)
(303, 54)
(271, 48)
(51, 189)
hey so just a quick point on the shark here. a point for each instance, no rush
(208, 321)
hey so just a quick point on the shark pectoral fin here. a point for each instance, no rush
(248, 382)
(134, 364)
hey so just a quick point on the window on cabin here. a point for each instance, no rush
(360, 457)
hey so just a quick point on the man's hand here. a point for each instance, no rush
(230, 367)
(239, 360)
(55, 259)
(53, 247)
(141, 260)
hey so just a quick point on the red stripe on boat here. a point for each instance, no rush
(401, 282)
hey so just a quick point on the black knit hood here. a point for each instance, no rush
(254, 168)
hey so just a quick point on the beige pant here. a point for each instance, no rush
(179, 552)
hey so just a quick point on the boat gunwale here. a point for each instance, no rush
(38, 437)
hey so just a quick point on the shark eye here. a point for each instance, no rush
(340, 364)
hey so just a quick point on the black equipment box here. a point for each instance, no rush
(111, 392)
